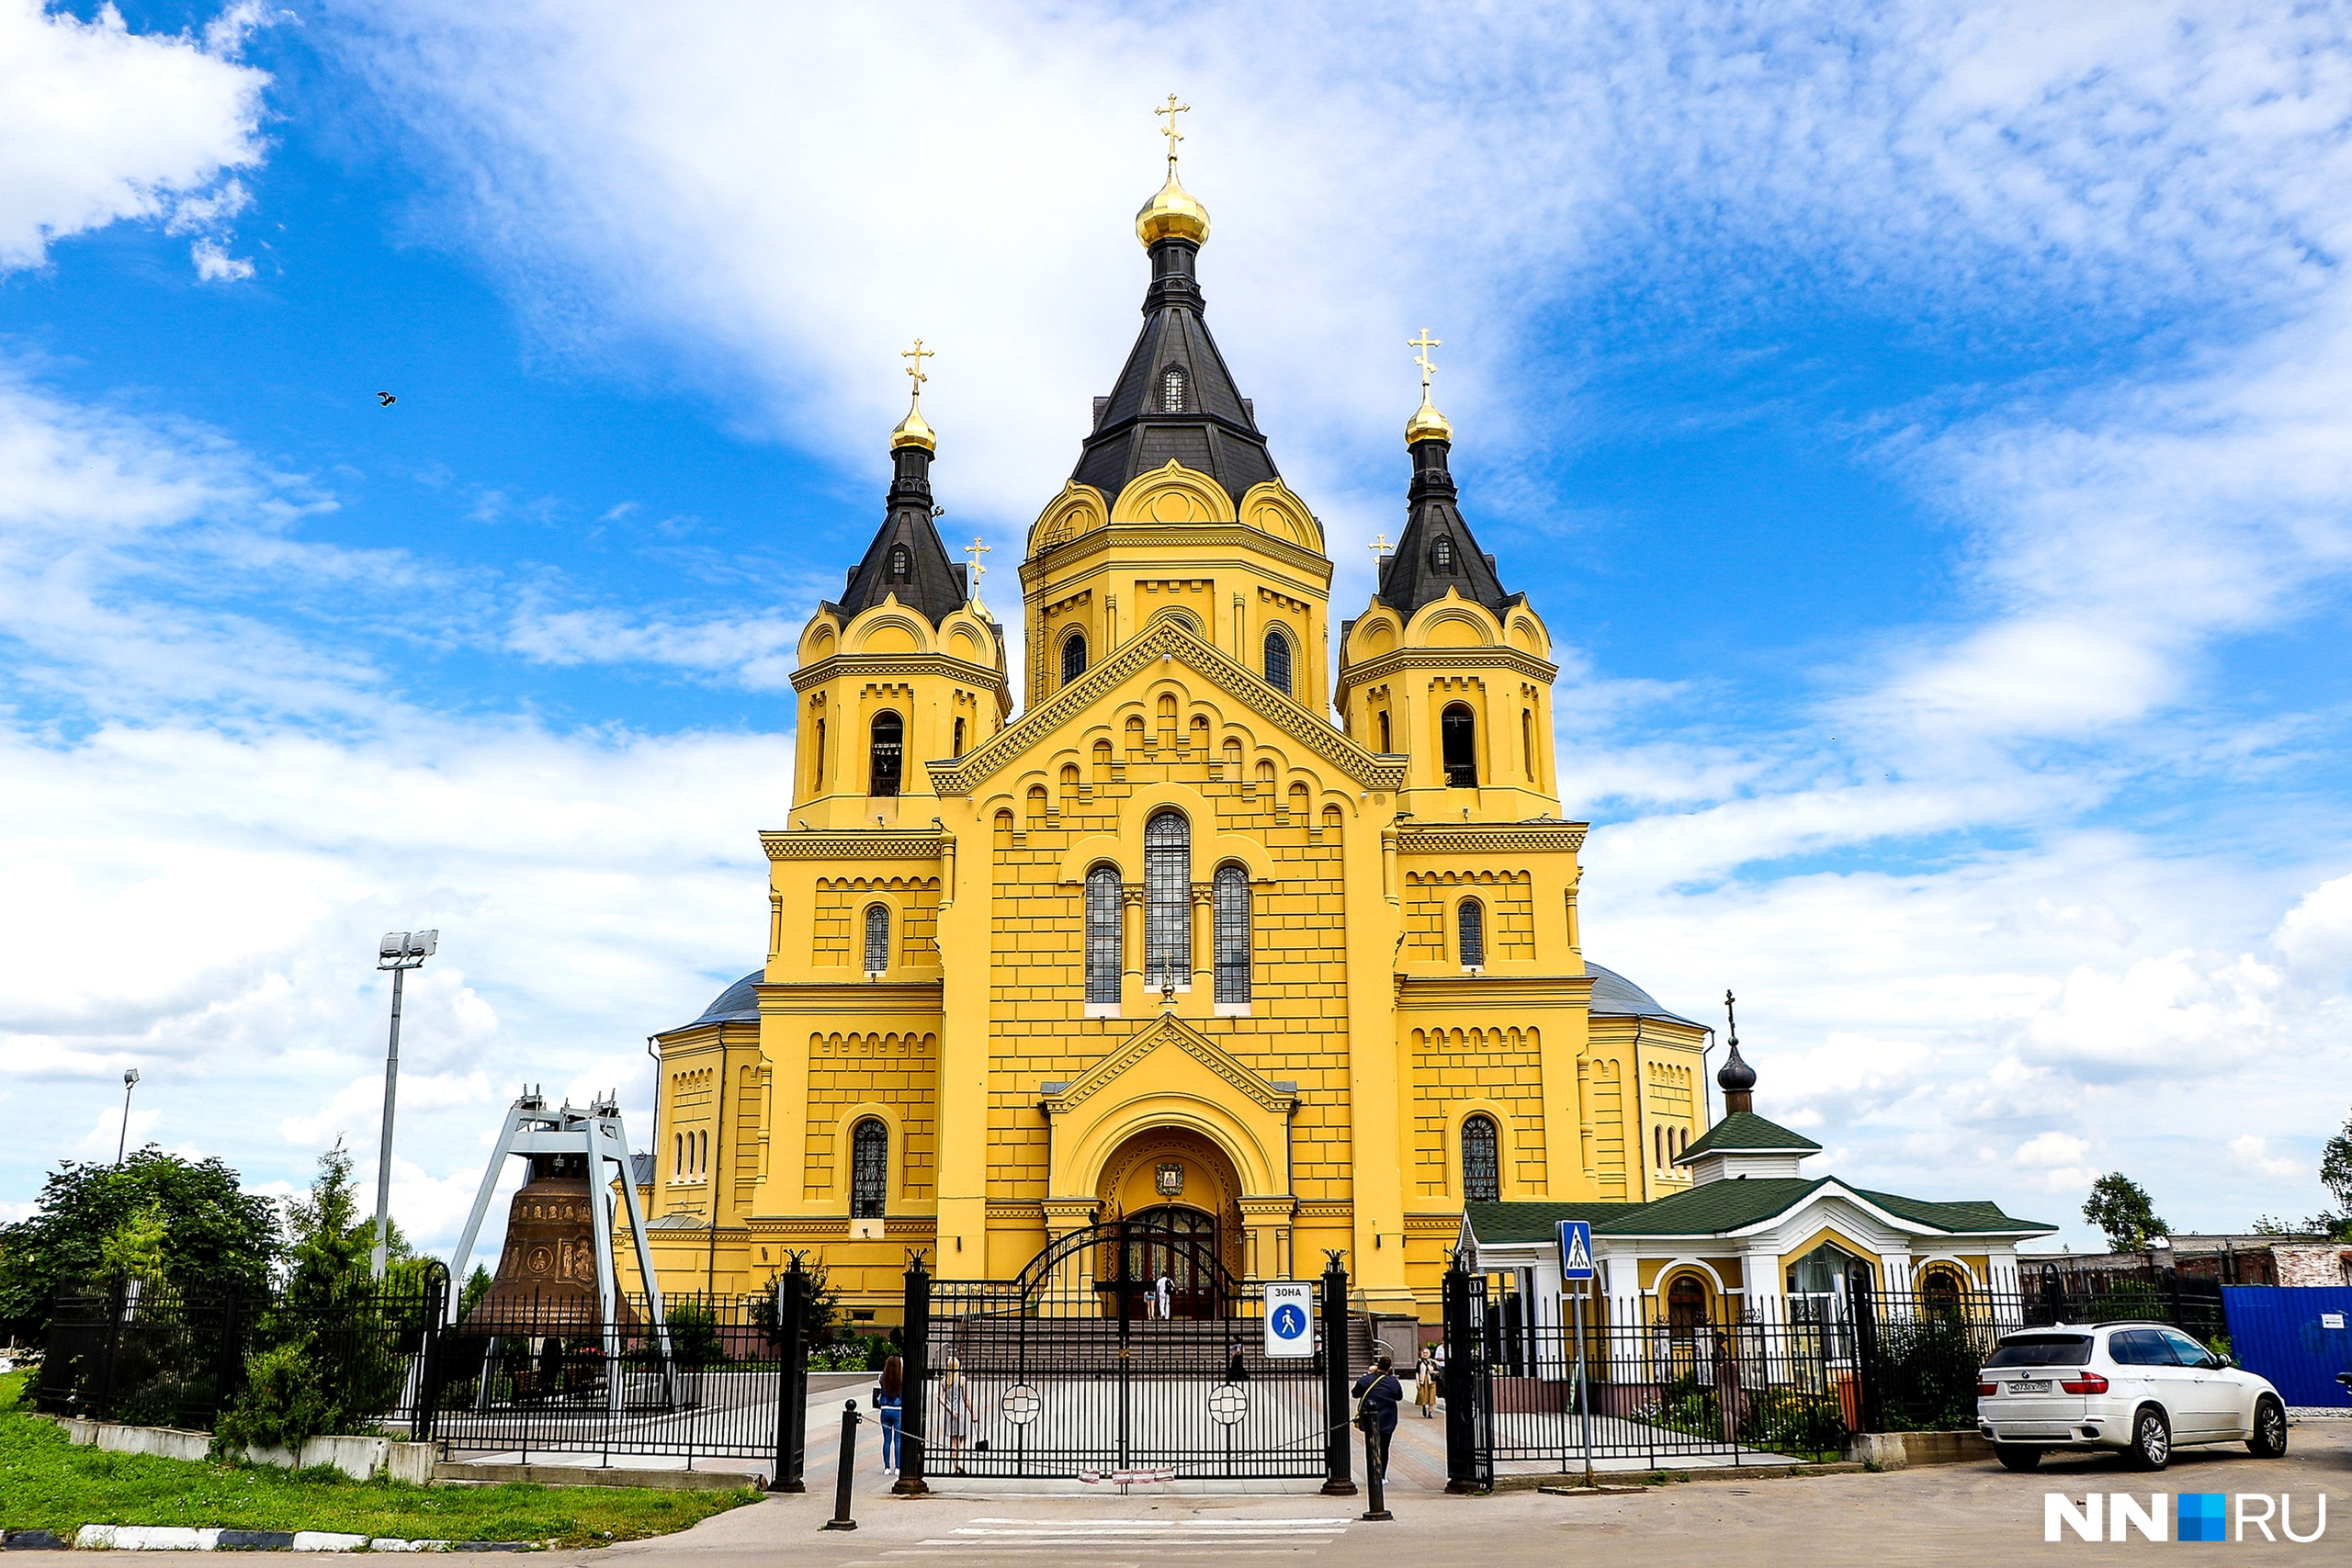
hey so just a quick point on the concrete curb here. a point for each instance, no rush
(175, 1538)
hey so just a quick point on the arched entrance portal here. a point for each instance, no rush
(1176, 1181)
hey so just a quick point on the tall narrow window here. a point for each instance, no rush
(820, 755)
(889, 737)
(1482, 1165)
(1102, 954)
(1171, 390)
(902, 563)
(1167, 900)
(1458, 732)
(1073, 656)
(1527, 742)
(958, 749)
(1385, 747)
(869, 1168)
(1278, 663)
(1232, 935)
(677, 1153)
(877, 938)
(1470, 922)
(1441, 553)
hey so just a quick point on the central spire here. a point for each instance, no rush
(1175, 399)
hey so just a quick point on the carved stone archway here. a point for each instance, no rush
(1133, 1179)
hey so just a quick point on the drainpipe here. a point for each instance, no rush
(718, 1163)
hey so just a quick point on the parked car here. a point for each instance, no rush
(2142, 1388)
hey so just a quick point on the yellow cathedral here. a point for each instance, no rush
(1197, 926)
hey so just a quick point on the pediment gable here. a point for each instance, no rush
(1166, 638)
(1168, 1032)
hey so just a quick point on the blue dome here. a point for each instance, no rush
(1615, 996)
(739, 1003)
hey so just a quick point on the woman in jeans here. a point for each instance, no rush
(889, 1402)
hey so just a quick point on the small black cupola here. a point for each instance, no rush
(1437, 553)
(1735, 1077)
(906, 557)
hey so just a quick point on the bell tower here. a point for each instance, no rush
(907, 667)
(1445, 667)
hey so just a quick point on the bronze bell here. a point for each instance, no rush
(546, 1271)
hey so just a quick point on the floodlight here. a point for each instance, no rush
(394, 945)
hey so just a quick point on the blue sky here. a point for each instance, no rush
(1923, 428)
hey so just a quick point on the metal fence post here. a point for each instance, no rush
(1336, 1482)
(1868, 1373)
(916, 1368)
(792, 1378)
(1461, 1430)
(428, 1366)
(840, 1519)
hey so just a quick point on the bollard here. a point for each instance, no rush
(840, 1519)
(1376, 1469)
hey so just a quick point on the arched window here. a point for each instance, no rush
(702, 1154)
(1102, 956)
(1073, 656)
(902, 563)
(1385, 747)
(869, 1168)
(1471, 923)
(1482, 1165)
(1278, 663)
(1527, 742)
(958, 750)
(1167, 900)
(1939, 1293)
(1232, 905)
(677, 1153)
(877, 938)
(1686, 1307)
(1658, 1145)
(820, 755)
(1171, 390)
(883, 766)
(1457, 730)
(1441, 553)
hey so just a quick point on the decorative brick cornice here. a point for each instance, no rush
(1169, 1029)
(1497, 838)
(858, 666)
(1164, 636)
(1059, 555)
(1490, 656)
(824, 843)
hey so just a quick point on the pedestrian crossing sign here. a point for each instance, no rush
(1576, 1249)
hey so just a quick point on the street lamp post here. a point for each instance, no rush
(399, 952)
(122, 1142)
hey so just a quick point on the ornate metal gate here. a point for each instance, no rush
(1071, 1369)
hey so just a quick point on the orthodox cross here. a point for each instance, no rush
(1732, 1019)
(1380, 544)
(918, 354)
(979, 567)
(1424, 343)
(1171, 109)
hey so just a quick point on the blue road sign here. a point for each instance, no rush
(1576, 1249)
(1289, 1317)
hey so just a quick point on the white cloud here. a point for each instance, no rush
(2254, 1149)
(99, 124)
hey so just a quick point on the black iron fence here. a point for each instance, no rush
(141, 1352)
(2060, 1290)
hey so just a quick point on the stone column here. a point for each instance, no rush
(1204, 947)
(1133, 1002)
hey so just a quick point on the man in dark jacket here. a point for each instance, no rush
(1379, 1393)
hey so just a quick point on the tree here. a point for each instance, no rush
(2121, 1208)
(2336, 1175)
(215, 1239)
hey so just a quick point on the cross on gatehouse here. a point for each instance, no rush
(1171, 109)
(1424, 343)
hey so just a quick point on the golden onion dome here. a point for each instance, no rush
(1427, 423)
(913, 431)
(1172, 214)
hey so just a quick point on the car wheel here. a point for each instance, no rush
(2269, 1439)
(2151, 1446)
(2017, 1456)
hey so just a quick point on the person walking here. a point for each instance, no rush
(1167, 1295)
(889, 1406)
(956, 1411)
(1377, 1395)
(1425, 1382)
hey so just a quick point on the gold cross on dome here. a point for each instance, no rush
(979, 569)
(1380, 544)
(1171, 109)
(1424, 343)
(918, 354)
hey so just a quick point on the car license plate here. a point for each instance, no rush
(2030, 1385)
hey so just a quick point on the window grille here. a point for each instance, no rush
(1102, 956)
(1473, 925)
(902, 563)
(1171, 390)
(1073, 658)
(957, 749)
(1458, 729)
(878, 938)
(1441, 553)
(888, 737)
(1278, 663)
(1232, 909)
(1482, 1165)
(869, 1171)
(1167, 900)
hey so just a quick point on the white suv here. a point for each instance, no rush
(2139, 1387)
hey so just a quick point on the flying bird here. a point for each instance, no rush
(385, 399)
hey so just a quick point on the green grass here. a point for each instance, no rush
(46, 1483)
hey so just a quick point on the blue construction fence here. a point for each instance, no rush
(2300, 1337)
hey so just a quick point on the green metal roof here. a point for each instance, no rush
(1525, 1221)
(1716, 1207)
(1721, 1206)
(1743, 1132)
(1969, 1214)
